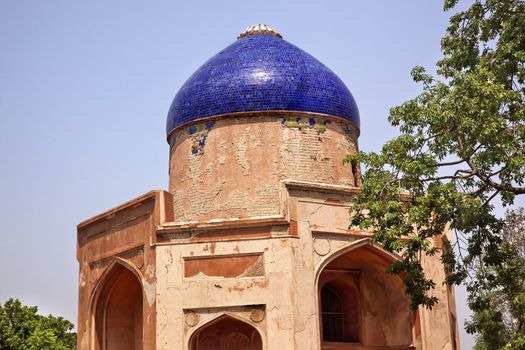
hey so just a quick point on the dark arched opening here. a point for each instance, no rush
(119, 312)
(340, 314)
(360, 304)
(332, 311)
(226, 333)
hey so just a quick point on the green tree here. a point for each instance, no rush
(21, 328)
(460, 148)
(498, 303)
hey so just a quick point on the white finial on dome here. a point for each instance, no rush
(259, 29)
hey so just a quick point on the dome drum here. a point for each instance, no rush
(234, 166)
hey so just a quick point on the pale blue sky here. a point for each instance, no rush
(85, 88)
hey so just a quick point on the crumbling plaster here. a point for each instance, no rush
(237, 171)
(245, 232)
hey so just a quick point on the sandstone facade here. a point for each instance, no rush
(250, 249)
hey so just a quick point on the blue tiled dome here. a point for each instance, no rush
(261, 72)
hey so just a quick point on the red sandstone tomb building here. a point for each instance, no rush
(250, 247)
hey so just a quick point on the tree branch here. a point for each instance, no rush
(486, 179)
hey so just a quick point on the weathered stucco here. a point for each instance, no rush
(232, 167)
(254, 226)
(113, 245)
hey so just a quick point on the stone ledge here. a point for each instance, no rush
(219, 224)
(320, 187)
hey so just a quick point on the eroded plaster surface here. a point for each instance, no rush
(255, 224)
(237, 171)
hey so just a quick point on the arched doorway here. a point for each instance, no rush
(340, 314)
(119, 312)
(226, 333)
(360, 304)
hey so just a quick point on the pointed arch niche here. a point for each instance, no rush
(360, 304)
(226, 333)
(118, 310)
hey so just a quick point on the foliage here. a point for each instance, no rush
(498, 297)
(461, 147)
(21, 328)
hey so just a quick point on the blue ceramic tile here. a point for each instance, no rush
(259, 73)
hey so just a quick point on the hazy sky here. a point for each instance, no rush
(85, 88)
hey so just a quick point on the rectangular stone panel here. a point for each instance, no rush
(251, 265)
